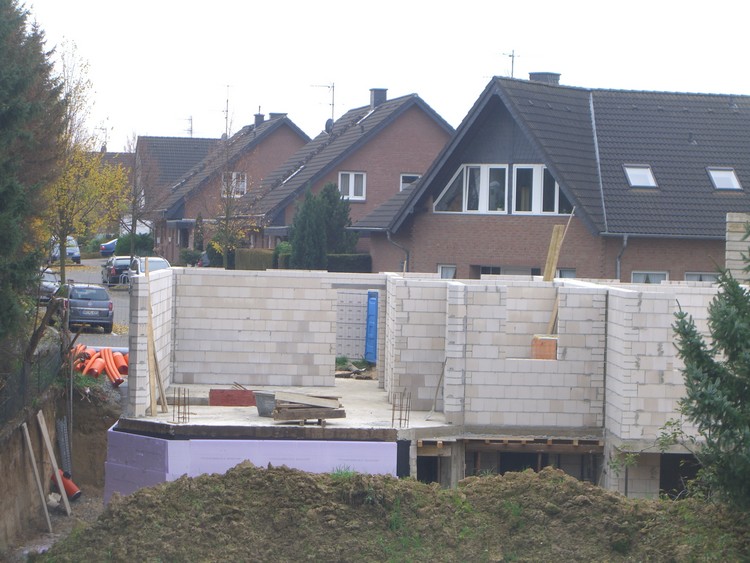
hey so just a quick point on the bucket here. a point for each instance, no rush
(266, 402)
(71, 489)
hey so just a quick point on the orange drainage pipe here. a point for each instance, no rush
(112, 371)
(89, 362)
(120, 363)
(96, 367)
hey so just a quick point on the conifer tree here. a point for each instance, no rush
(31, 126)
(717, 382)
(308, 236)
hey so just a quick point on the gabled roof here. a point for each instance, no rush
(586, 136)
(319, 157)
(222, 154)
(170, 158)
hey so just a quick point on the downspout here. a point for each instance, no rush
(619, 256)
(400, 247)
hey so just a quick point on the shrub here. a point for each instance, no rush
(254, 259)
(190, 256)
(361, 263)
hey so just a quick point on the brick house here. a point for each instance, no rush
(647, 176)
(231, 166)
(371, 153)
(160, 162)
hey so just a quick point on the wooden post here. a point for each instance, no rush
(27, 438)
(53, 461)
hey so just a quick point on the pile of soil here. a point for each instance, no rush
(280, 514)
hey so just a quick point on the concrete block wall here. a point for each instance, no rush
(161, 286)
(254, 328)
(644, 378)
(735, 245)
(502, 389)
(351, 316)
(415, 338)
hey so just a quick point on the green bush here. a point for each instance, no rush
(144, 245)
(361, 263)
(189, 256)
(254, 259)
(281, 255)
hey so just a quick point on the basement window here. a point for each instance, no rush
(702, 276)
(648, 277)
(724, 178)
(640, 176)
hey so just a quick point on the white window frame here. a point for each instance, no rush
(233, 184)
(404, 183)
(351, 176)
(537, 191)
(697, 276)
(724, 178)
(447, 271)
(646, 274)
(640, 176)
(483, 196)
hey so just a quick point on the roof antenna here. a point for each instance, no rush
(512, 56)
(189, 130)
(332, 88)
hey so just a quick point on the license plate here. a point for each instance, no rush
(89, 312)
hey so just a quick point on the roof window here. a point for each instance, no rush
(640, 176)
(724, 178)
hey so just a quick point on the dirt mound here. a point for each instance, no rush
(280, 514)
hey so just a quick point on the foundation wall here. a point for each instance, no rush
(135, 461)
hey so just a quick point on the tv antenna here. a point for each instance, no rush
(189, 130)
(226, 115)
(512, 55)
(332, 88)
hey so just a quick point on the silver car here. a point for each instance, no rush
(87, 304)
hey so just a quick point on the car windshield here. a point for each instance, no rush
(89, 293)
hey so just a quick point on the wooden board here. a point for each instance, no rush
(301, 398)
(303, 413)
(53, 461)
(27, 438)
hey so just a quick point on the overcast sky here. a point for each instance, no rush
(157, 64)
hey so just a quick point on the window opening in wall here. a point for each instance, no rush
(352, 185)
(234, 184)
(447, 271)
(407, 179)
(724, 178)
(639, 176)
(648, 277)
(566, 273)
(701, 276)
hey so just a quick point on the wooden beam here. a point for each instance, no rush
(303, 399)
(53, 461)
(27, 438)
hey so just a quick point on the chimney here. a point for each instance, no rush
(551, 78)
(259, 119)
(377, 96)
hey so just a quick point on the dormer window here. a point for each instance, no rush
(640, 176)
(724, 178)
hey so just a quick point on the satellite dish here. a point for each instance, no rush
(329, 126)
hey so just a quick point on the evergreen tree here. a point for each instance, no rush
(31, 126)
(335, 211)
(198, 233)
(308, 236)
(717, 381)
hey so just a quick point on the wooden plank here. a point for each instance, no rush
(27, 438)
(303, 399)
(53, 461)
(307, 413)
(553, 254)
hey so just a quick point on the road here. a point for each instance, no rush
(90, 272)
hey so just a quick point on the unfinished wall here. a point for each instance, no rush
(161, 286)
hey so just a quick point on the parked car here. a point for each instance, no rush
(87, 304)
(71, 251)
(49, 283)
(138, 265)
(108, 248)
(115, 270)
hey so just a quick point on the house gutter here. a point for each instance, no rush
(618, 265)
(400, 247)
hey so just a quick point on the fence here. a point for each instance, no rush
(18, 391)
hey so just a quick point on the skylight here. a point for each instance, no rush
(640, 176)
(724, 178)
